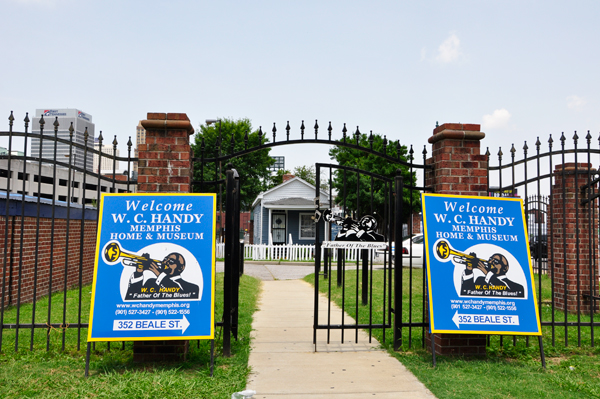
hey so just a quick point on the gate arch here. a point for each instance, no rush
(391, 152)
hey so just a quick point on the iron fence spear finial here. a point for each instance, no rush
(588, 137)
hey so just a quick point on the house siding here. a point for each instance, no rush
(265, 224)
(292, 189)
(294, 228)
(257, 221)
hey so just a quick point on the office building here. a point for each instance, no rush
(107, 163)
(66, 116)
(140, 138)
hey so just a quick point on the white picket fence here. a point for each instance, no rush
(292, 252)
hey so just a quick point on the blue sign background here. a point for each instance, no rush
(159, 225)
(483, 226)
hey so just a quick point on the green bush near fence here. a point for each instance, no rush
(55, 373)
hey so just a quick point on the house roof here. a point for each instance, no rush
(289, 198)
(293, 203)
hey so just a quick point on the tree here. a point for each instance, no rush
(253, 168)
(277, 178)
(372, 192)
(308, 174)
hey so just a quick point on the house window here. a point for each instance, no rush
(307, 226)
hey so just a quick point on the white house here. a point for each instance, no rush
(286, 212)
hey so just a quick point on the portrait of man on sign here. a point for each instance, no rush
(494, 281)
(176, 277)
(499, 276)
(167, 279)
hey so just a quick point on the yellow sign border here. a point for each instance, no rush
(429, 292)
(213, 270)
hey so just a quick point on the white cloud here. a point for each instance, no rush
(498, 119)
(574, 102)
(449, 50)
(423, 54)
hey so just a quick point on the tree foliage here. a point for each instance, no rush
(253, 168)
(372, 193)
(308, 174)
(277, 178)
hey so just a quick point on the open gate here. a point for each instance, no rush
(362, 225)
(228, 154)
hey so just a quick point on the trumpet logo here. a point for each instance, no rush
(113, 253)
(443, 251)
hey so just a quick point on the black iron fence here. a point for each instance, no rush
(51, 181)
(560, 191)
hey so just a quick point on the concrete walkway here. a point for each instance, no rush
(284, 362)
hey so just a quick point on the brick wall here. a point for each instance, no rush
(164, 160)
(164, 166)
(458, 169)
(571, 237)
(24, 252)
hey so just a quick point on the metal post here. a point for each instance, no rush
(236, 259)
(542, 356)
(230, 243)
(317, 259)
(212, 356)
(87, 359)
(340, 254)
(364, 254)
(399, 183)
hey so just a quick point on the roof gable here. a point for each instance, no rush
(293, 188)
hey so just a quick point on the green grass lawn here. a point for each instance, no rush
(512, 367)
(57, 373)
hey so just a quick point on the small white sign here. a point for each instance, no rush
(354, 245)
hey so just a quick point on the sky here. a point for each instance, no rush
(521, 69)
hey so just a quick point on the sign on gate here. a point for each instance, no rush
(154, 274)
(478, 266)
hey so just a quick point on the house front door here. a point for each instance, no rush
(278, 228)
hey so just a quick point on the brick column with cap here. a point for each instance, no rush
(458, 169)
(571, 233)
(164, 166)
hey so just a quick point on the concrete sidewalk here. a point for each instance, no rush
(285, 365)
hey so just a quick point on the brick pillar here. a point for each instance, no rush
(164, 166)
(458, 169)
(577, 225)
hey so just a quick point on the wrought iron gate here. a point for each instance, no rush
(210, 161)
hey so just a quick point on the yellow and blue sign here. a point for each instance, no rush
(478, 266)
(154, 273)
